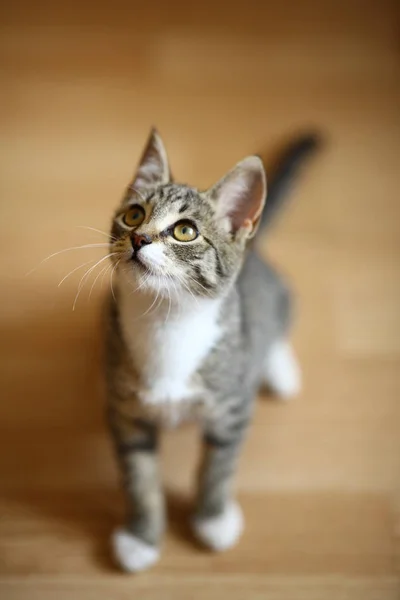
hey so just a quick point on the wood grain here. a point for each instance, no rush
(320, 477)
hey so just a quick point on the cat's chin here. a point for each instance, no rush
(148, 281)
(139, 264)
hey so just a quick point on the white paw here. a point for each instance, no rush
(282, 372)
(221, 532)
(131, 553)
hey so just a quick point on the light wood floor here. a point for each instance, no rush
(320, 477)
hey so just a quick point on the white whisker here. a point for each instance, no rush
(86, 275)
(66, 250)
(177, 296)
(95, 279)
(111, 279)
(153, 303)
(104, 275)
(182, 282)
(159, 304)
(76, 269)
(108, 235)
(160, 301)
(198, 283)
(143, 282)
(169, 303)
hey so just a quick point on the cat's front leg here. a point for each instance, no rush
(218, 521)
(136, 546)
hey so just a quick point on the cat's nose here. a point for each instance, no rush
(139, 240)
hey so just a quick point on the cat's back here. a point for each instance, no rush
(255, 314)
(265, 301)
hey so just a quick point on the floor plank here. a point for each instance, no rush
(320, 477)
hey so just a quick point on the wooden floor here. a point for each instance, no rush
(320, 477)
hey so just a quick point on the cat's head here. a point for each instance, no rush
(172, 238)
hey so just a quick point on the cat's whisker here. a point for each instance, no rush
(125, 271)
(182, 282)
(193, 279)
(96, 279)
(159, 304)
(66, 250)
(169, 302)
(85, 277)
(104, 275)
(175, 290)
(153, 303)
(76, 269)
(177, 297)
(108, 235)
(111, 279)
(144, 281)
(198, 283)
(158, 300)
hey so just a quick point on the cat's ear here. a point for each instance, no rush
(153, 168)
(239, 197)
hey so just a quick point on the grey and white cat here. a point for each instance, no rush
(197, 325)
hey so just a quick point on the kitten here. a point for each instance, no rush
(197, 324)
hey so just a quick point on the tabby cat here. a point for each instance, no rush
(196, 325)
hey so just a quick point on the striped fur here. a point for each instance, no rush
(187, 338)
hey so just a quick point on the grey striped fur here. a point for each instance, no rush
(254, 311)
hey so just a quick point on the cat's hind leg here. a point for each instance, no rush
(281, 371)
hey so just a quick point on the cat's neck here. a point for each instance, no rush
(168, 341)
(149, 308)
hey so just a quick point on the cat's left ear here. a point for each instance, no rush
(240, 196)
(153, 168)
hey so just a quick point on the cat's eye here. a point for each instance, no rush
(135, 216)
(185, 231)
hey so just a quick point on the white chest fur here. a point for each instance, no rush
(168, 345)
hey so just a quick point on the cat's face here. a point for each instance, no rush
(170, 238)
(174, 240)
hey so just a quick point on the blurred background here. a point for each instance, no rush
(320, 477)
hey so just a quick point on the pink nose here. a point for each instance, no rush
(138, 241)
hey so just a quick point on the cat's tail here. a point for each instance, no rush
(286, 172)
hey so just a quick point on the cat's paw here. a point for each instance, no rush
(131, 553)
(222, 531)
(281, 370)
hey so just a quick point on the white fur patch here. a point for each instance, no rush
(131, 553)
(153, 255)
(169, 343)
(221, 532)
(281, 370)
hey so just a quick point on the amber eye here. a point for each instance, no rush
(185, 231)
(135, 216)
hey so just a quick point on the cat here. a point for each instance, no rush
(197, 323)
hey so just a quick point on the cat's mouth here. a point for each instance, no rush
(135, 258)
(142, 265)
(145, 266)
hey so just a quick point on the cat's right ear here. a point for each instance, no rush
(153, 168)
